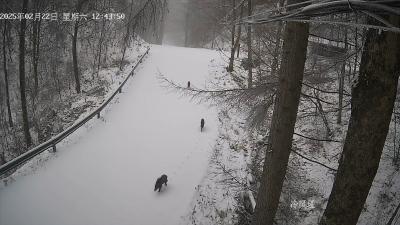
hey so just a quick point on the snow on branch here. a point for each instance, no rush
(233, 95)
(308, 11)
(316, 139)
(256, 101)
(314, 161)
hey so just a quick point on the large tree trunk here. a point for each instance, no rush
(28, 139)
(372, 105)
(10, 120)
(283, 121)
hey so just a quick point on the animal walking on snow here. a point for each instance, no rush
(202, 125)
(160, 181)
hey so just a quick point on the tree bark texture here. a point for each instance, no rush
(372, 105)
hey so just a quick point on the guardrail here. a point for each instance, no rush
(20, 160)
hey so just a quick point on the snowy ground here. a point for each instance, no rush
(105, 173)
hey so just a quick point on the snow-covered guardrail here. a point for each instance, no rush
(20, 160)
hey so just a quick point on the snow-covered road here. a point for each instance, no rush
(106, 173)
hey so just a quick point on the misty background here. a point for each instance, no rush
(174, 30)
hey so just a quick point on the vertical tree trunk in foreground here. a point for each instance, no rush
(372, 105)
(294, 53)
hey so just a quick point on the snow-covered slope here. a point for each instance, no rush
(105, 174)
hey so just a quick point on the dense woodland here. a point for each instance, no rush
(323, 92)
(48, 65)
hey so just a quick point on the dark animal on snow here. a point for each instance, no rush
(160, 181)
(188, 84)
(202, 125)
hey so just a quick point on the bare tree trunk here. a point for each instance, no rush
(283, 121)
(372, 106)
(275, 60)
(237, 45)
(34, 62)
(213, 37)
(28, 139)
(233, 31)
(10, 120)
(78, 7)
(356, 49)
(341, 83)
(35, 53)
(75, 58)
(126, 38)
(323, 115)
(250, 51)
(100, 45)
